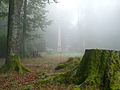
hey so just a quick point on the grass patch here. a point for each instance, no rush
(72, 54)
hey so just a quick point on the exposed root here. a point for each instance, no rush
(14, 64)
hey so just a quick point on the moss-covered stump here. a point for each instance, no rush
(13, 64)
(99, 69)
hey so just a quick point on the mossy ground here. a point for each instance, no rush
(99, 69)
(12, 65)
(42, 67)
(71, 63)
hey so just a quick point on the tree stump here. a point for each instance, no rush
(99, 70)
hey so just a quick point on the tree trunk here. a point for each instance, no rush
(99, 70)
(24, 29)
(13, 61)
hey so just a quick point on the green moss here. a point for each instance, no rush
(43, 75)
(41, 82)
(70, 59)
(71, 63)
(14, 64)
(99, 69)
(60, 66)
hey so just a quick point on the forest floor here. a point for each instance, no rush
(44, 63)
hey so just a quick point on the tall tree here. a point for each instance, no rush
(3, 27)
(24, 28)
(12, 60)
(34, 21)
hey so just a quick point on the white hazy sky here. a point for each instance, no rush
(99, 21)
(76, 8)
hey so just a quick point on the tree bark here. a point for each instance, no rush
(13, 27)
(24, 28)
(99, 70)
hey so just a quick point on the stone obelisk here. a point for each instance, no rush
(59, 49)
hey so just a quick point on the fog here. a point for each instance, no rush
(84, 24)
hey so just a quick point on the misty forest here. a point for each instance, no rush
(59, 45)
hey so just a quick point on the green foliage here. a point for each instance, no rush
(4, 8)
(37, 45)
(3, 14)
(36, 19)
(3, 45)
(3, 26)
